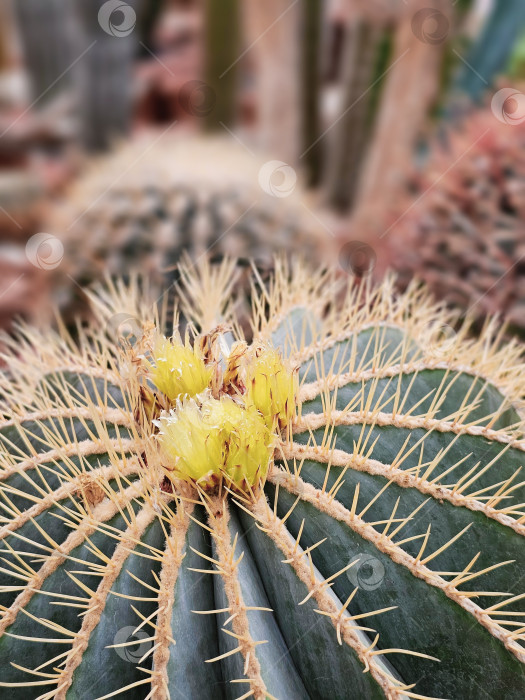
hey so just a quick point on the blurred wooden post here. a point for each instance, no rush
(411, 86)
(311, 83)
(222, 58)
(349, 136)
(5, 28)
(272, 37)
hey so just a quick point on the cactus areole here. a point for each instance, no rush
(334, 509)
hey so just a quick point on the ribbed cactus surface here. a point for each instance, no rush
(379, 555)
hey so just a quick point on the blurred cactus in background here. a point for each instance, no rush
(461, 228)
(70, 50)
(344, 95)
(491, 51)
(203, 195)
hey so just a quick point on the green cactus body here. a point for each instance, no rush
(383, 557)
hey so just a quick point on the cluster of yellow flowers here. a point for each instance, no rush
(229, 435)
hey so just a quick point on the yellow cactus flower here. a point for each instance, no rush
(191, 438)
(178, 369)
(208, 438)
(249, 444)
(271, 387)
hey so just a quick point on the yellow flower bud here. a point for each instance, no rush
(271, 387)
(207, 438)
(178, 369)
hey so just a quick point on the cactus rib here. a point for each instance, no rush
(254, 586)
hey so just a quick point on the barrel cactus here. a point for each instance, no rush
(143, 204)
(334, 510)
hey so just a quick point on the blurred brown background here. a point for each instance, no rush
(365, 134)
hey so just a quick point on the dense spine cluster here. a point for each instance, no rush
(380, 557)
